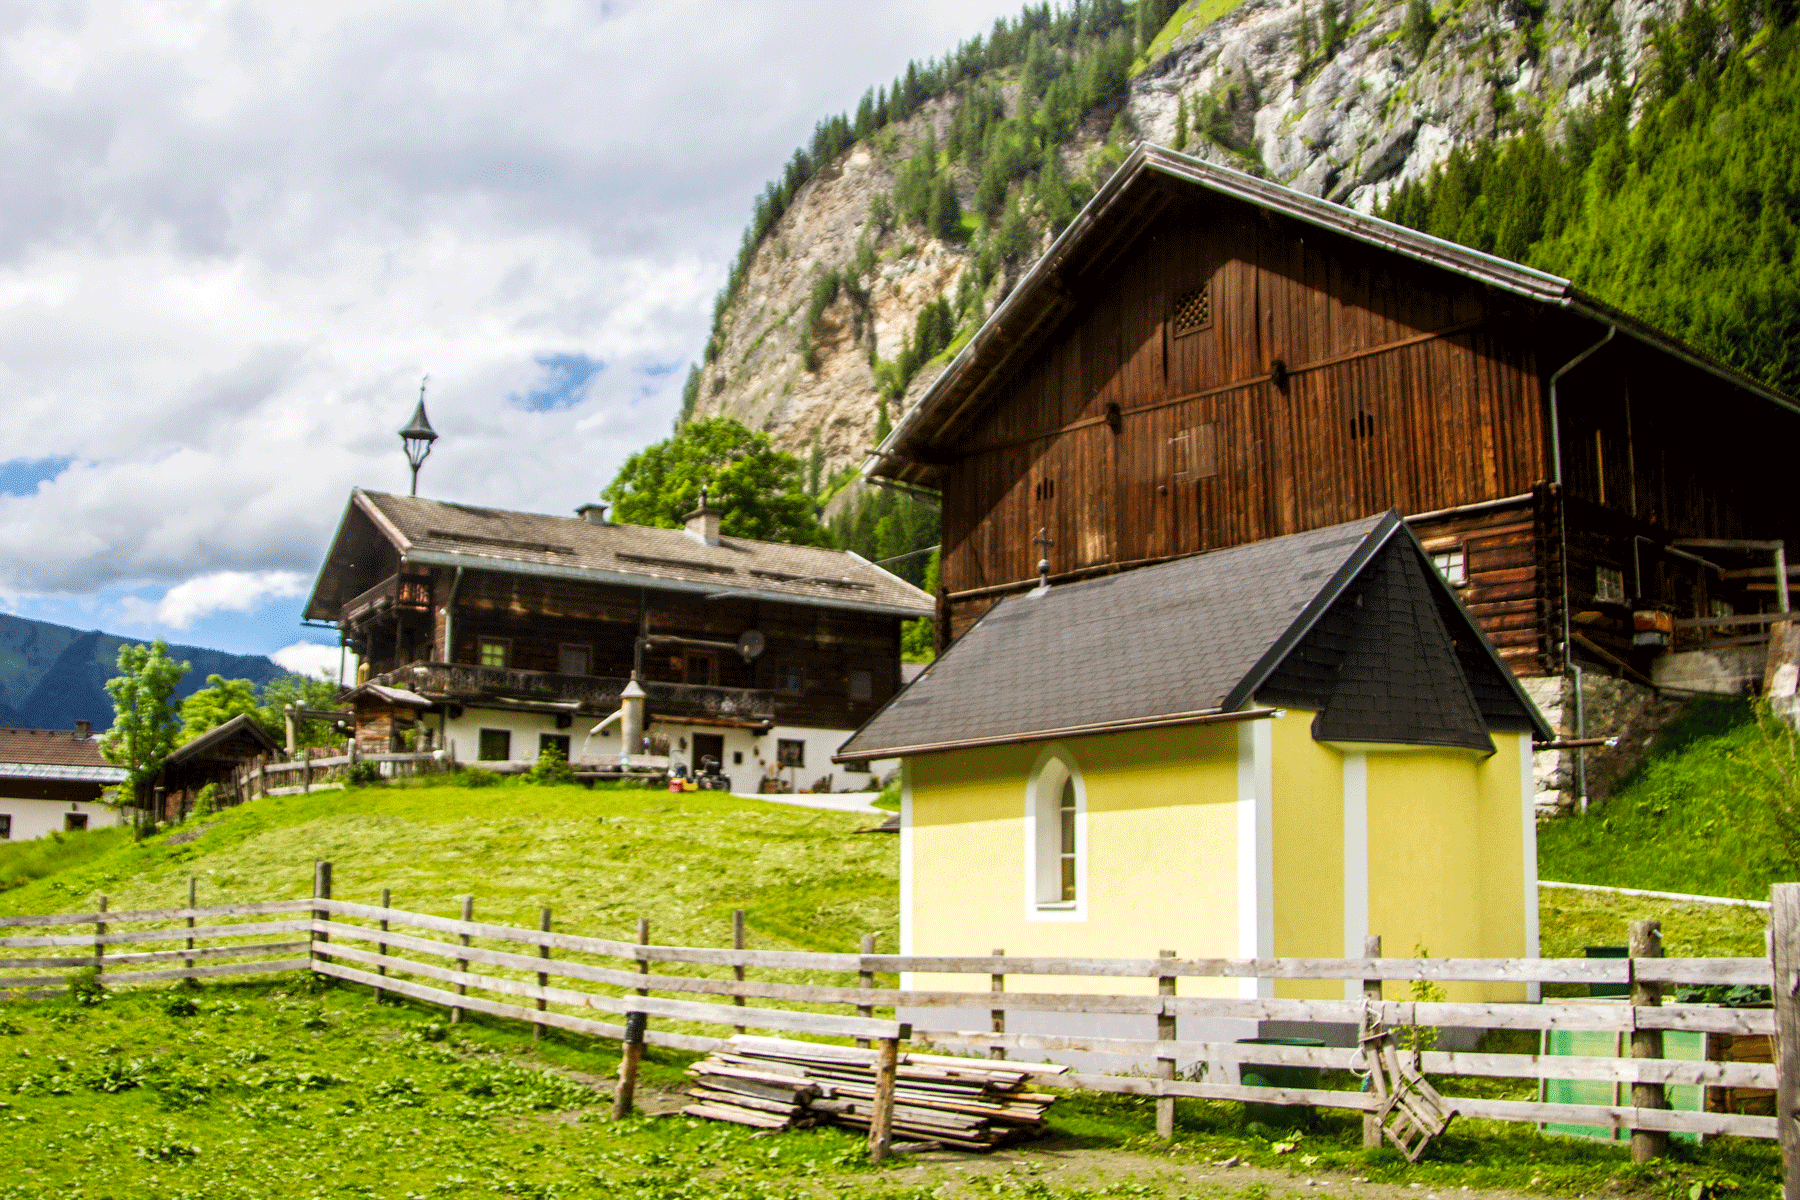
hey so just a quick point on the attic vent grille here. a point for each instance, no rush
(1193, 311)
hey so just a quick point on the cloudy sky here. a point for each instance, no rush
(234, 237)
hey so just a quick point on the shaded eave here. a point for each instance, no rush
(360, 501)
(1110, 223)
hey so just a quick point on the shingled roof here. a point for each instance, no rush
(1352, 621)
(438, 533)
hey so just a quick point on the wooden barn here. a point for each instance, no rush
(1272, 750)
(1204, 359)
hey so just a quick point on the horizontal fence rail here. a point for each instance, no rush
(695, 998)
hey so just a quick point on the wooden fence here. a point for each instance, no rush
(318, 769)
(590, 985)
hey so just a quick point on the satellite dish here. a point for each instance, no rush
(750, 643)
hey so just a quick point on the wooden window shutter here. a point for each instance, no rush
(1193, 311)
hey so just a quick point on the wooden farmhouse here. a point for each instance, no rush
(1275, 749)
(495, 634)
(1204, 359)
(54, 780)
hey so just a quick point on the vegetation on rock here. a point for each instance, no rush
(757, 486)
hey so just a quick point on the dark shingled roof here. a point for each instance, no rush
(1350, 620)
(497, 539)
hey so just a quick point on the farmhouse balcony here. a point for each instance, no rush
(409, 592)
(594, 695)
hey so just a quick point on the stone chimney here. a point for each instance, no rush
(82, 729)
(593, 514)
(703, 522)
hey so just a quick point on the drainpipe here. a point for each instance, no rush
(1570, 667)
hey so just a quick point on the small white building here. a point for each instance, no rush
(52, 780)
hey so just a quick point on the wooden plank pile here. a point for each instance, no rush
(773, 1083)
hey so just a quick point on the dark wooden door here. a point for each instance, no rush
(708, 745)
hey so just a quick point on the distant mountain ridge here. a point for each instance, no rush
(52, 676)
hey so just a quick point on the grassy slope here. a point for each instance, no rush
(600, 859)
(394, 1114)
(1687, 821)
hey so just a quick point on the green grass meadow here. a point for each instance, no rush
(300, 1087)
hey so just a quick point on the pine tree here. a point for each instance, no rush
(1419, 27)
(1181, 123)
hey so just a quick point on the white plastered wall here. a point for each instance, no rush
(35, 818)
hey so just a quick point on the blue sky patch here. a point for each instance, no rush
(21, 476)
(564, 375)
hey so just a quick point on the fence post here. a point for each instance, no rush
(1165, 1067)
(1371, 990)
(881, 1121)
(543, 979)
(737, 970)
(99, 943)
(193, 882)
(462, 964)
(631, 1049)
(643, 940)
(321, 891)
(866, 980)
(1784, 954)
(1646, 942)
(997, 1016)
(381, 947)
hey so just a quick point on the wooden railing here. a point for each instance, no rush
(590, 985)
(593, 694)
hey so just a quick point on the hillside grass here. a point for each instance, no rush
(1689, 820)
(265, 1087)
(600, 859)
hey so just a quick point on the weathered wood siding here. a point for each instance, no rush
(1331, 382)
(537, 617)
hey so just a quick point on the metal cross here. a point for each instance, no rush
(1043, 539)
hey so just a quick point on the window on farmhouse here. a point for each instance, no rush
(793, 678)
(572, 660)
(701, 670)
(862, 684)
(1452, 565)
(558, 742)
(5, 827)
(74, 822)
(496, 745)
(790, 752)
(1609, 585)
(493, 652)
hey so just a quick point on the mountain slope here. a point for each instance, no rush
(857, 261)
(52, 676)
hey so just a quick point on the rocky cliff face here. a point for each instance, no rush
(1266, 87)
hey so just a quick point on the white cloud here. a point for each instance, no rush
(238, 234)
(203, 595)
(310, 658)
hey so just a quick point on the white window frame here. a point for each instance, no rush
(1452, 564)
(1043, 843)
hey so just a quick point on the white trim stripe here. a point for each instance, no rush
(1356, 861)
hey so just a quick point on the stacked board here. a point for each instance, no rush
(772, 1083)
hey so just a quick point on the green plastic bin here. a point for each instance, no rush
(1608, 989)
(1679, 1044)
(1273, 1075)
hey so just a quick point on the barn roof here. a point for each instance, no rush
(1350, 620)
(1125, 205)
(241, 732)
(438, 533)
(54, 754)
